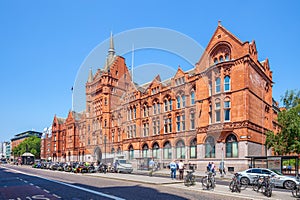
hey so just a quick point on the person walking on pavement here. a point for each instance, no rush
(212, 168)
(173, 168)
(181, 169)
(151, 166)
(222, 169)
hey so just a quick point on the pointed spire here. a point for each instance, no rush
(111, 50)
(90, 78)
(111, 54)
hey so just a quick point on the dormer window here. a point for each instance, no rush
(221, 53)
(179, 81)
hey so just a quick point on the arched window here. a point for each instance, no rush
(226, 57)
(210, 151)
(227, 83)
(231, 146)
(180, 150)
(170, 104)
(193, 148)
(154, 108)
(131, 152)
(112, 150)
(167, 150)
(183, 100)
(118, 150)
(178, 101)
(155, 150)
(192, 120)
(215, 60)
(192, 98)
(145, 151)
(221, 59)
(217, 110)
(145, 110)
(218, 85)
(166, 105)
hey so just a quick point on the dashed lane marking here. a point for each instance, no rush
(73, 186)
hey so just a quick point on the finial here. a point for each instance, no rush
(219, 23)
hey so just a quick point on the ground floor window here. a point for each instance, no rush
(210, 151)
(167, 151)
(180, 149)
(193, 148)
(145, 151)
(231, 146)
(155, 151)
(131, 152)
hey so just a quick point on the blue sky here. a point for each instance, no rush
(44, 43)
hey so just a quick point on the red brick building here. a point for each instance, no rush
(221, 109)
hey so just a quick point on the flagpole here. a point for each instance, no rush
(132, 62)
(72, 97)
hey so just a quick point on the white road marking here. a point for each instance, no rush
(73, 186)
(56, 196)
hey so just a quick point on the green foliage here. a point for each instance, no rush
(31, 144)
(287, 140)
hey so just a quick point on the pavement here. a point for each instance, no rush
(162, 177)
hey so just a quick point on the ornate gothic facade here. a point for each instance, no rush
(221, 109)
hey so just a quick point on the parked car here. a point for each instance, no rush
(281, 180)
(122, 165)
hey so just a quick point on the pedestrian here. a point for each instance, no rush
(222, 168)
(151, 166)
(212, 168)
(289, 168)
(173, 168)
(208, 167)
(181, 169)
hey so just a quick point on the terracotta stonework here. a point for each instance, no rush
(221, 109)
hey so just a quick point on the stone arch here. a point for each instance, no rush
(98, 154)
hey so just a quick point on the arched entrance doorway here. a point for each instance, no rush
(98, 154)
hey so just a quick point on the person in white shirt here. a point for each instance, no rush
(181, 169)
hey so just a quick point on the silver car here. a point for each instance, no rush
(280, 180)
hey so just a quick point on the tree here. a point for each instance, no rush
(31, 144)
(287, 139)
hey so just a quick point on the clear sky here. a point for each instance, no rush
(44, 43)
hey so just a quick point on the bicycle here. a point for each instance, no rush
(208, 181)
(236, 185)
(190, 179)
(296, 189)
(267, 186)
(257, 183)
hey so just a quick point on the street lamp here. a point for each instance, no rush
(223, 164)
(105, 148)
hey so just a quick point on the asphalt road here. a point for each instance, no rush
(26, 183)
